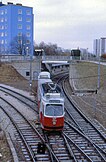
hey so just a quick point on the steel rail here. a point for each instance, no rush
(86, 120)
(20, 97)
(73, 103)
(89, 141)
(20, 134)
(61, 154)
(3, 88)
(51, 153)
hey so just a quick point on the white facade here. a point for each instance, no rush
(102, 46)
(96, 47)
(84, 53)
(99, 46)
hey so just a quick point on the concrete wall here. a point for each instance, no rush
(24, 68)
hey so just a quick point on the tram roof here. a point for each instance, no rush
(51, 88)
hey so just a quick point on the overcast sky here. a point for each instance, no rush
(68, 23)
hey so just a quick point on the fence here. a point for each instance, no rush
(10, 58)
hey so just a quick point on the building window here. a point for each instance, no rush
(28, 12)
(28, 34)
(5, 19)
(19, 26)
(2, 34)
(2, 41)
(2, 19)
(5, 41)
(20, 41)
(19, 34)
(2, 12)
(27, 41)
(28, 27)
(5, 11)
(27, 73)
(19, 11)
(19, 18)
(5, 26)
(28, 19)
(1, 27)
(5, 33)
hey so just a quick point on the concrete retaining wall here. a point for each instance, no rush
(24, 68)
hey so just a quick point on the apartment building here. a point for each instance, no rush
(99, 46)
(16, 29)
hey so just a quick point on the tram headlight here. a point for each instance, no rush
(54, 121)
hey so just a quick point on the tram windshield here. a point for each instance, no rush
(54, 110)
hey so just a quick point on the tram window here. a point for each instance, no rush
(53, 110)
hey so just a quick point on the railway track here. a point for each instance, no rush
(98, 150)
(59, 146)
(26, 135)
(24, 99)
(84, 124)
(82, 147)
(76, 142)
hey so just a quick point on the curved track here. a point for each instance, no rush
(83, 124)
(79, 141)
(26, 135)
(28, 101)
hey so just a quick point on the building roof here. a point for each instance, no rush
(11, 3)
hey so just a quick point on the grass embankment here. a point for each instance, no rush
(85, 76)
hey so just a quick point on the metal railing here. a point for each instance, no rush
(56, 58)
(10, 58)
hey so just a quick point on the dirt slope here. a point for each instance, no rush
(9, 76)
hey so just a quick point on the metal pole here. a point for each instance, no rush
(30, 70)
(87, 53)
(98, 83)
(39, 63)
(30, 73)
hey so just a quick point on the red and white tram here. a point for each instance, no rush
(50, 103)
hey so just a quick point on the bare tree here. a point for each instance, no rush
(18, 45)
(50, 49)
